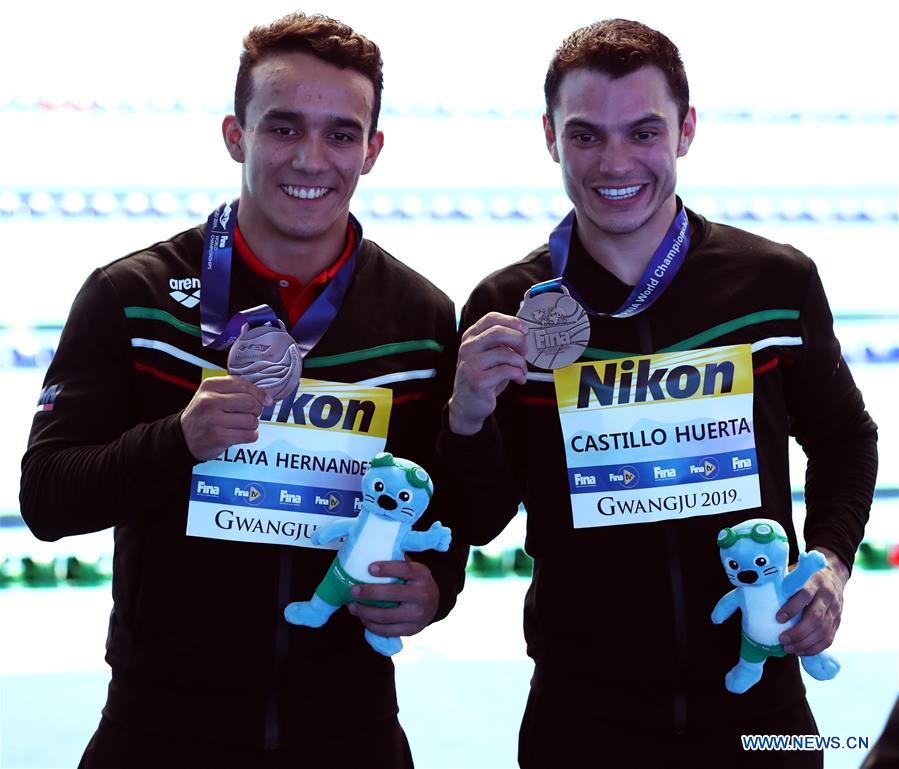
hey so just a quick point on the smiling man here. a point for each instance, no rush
(210, 544)
(634, 382)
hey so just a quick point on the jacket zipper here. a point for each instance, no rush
(679, 612)
(272, 728)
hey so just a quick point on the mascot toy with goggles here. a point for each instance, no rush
(395, 492)
(754, 555)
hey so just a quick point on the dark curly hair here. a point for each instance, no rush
(618, 47)
(323, 37)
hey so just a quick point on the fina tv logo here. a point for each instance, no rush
(180, 289)
(627, 476)
(332, 501)
(252, 493)
(708, 467)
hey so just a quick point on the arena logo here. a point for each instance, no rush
(180, 288)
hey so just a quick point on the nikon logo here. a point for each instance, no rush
(613, 384)
(325, 411)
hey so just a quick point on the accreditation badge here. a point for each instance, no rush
(305, 469)
(659, 437)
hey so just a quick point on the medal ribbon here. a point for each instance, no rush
(219, 331)
(657, 276)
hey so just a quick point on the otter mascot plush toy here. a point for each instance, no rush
(754, 555)
(395, 493)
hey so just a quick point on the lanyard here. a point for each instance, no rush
(218, 330)
(657, 276)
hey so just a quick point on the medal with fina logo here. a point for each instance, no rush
(557, 318)
(558, 327)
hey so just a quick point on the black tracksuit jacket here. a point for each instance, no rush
(617, 618)
(198, 645)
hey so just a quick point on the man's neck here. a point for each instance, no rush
(626, 255)
(301, 259)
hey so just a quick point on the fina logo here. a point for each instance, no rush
(207, 489)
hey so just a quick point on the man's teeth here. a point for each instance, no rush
(617, 193)
(304, 193)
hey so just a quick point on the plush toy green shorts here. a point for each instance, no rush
(335, 588)
(756, 652)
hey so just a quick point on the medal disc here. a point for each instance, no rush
(558, 328)
(268, 357)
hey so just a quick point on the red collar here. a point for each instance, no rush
(296, 296)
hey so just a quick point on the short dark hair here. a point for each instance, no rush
(322, 37)
(618, 47)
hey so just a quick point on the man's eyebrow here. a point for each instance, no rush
(282, 114)
(580, 124)
(649, 119)
(345, 122)
(332, 121)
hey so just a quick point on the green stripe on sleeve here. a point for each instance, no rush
(596, 353)
(373, 352)
(151, 313)
(732, 325)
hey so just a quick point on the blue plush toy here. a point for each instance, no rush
(754, 555)
(395, 493)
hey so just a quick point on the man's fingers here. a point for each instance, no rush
(495, 319)
(493, 380)
(234, 385)
(408, 570)
(795, 605)
(405, 619)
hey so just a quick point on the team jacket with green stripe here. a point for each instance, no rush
(617, 618)
(197, 642)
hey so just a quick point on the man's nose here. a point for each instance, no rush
(311, 155)
(615, 158)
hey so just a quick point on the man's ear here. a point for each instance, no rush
(372, 150)
(687, 132)
(232, 133)
(550, 135)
